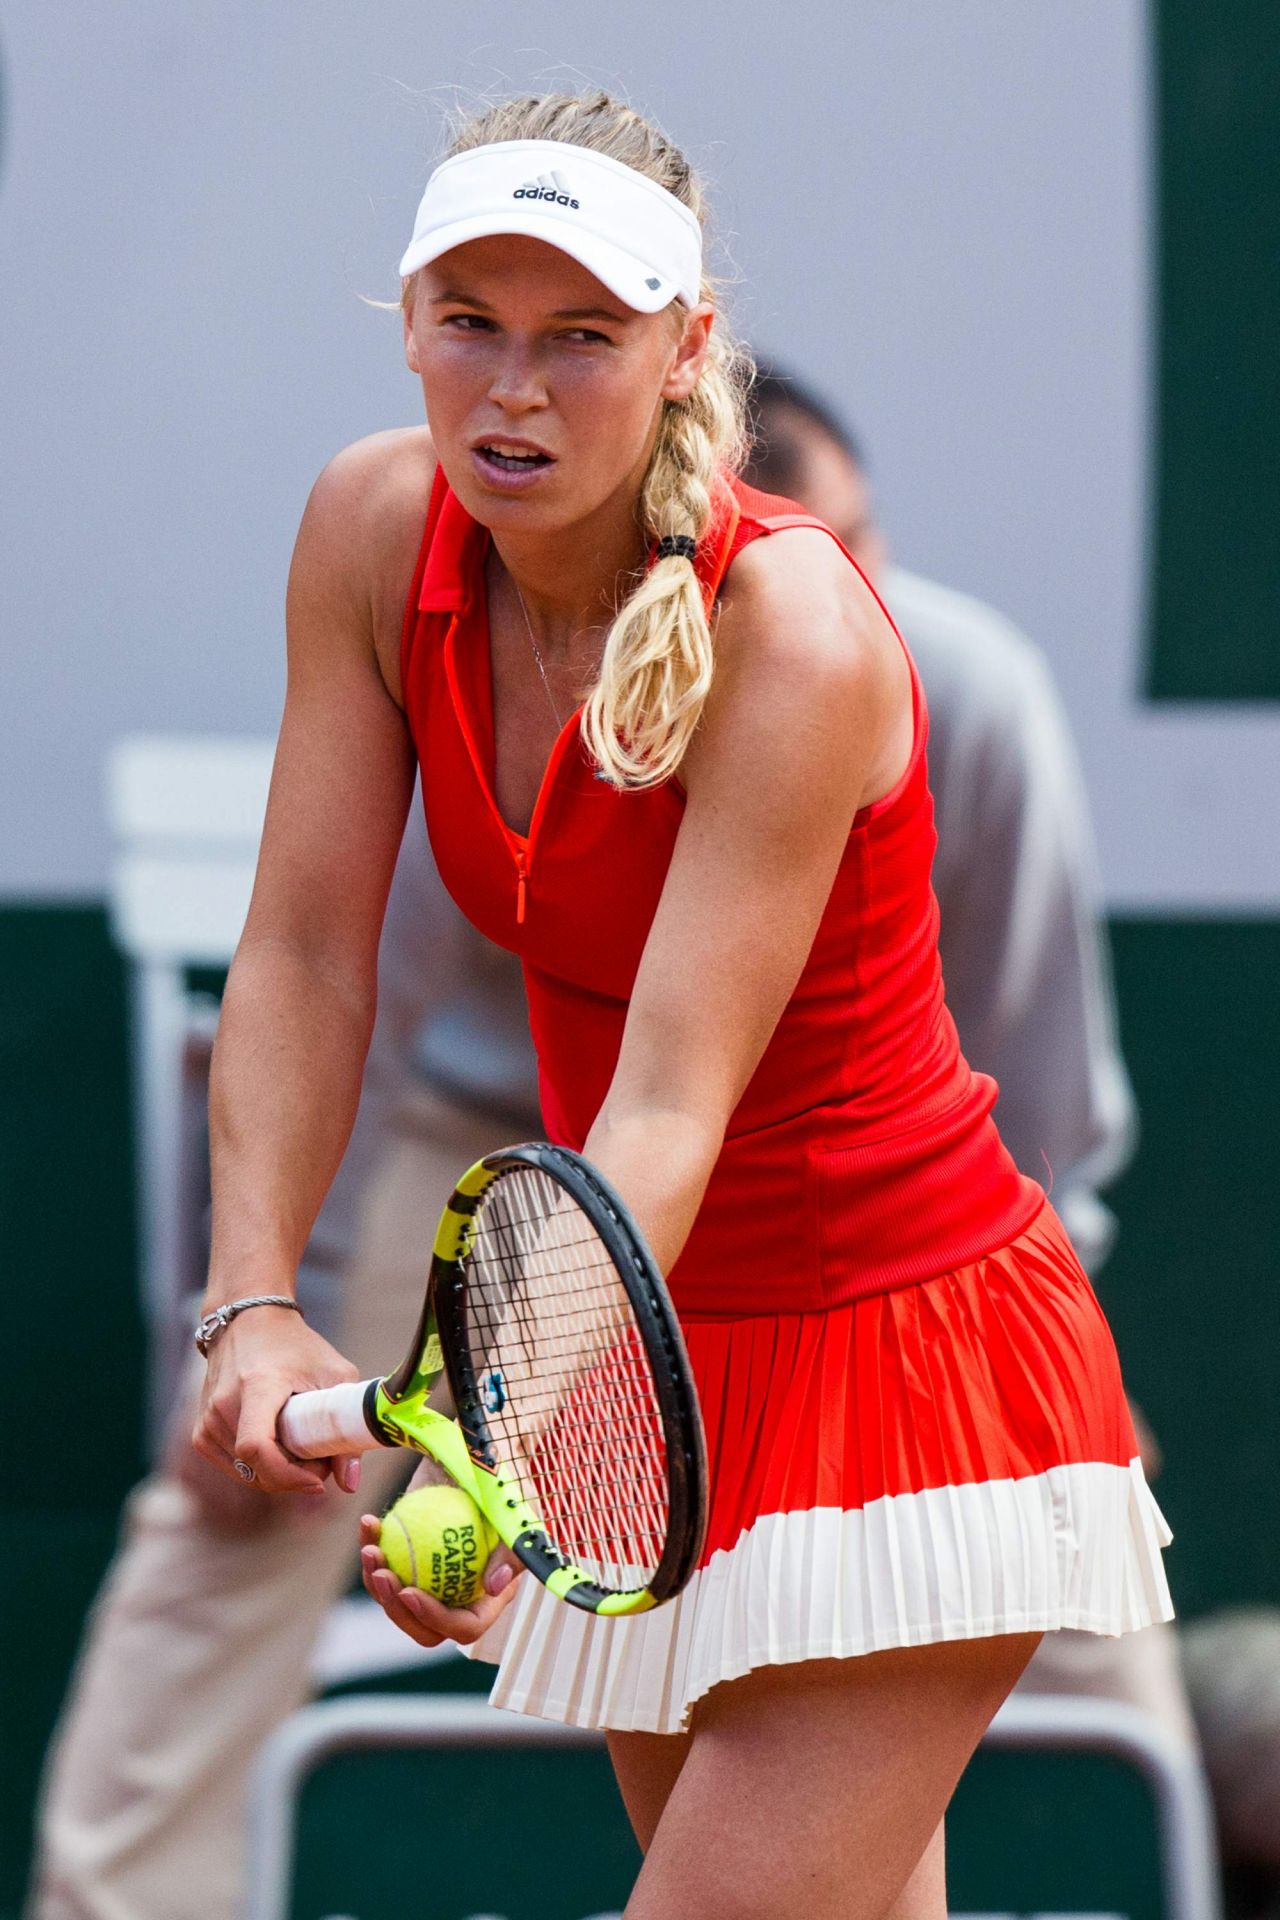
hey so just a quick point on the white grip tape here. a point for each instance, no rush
(328, 1420)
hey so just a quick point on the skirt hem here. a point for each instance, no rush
(1078, 1548)
(794, 1653)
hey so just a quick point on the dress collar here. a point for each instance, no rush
(458, 542)
(448, 578)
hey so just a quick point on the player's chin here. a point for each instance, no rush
(562, 497)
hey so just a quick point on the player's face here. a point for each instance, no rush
(835, 488)
(543, 390)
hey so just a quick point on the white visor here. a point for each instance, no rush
(631, 233)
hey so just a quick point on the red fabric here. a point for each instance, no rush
(862, 1155)
(1000, 1369)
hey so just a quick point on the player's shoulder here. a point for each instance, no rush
(376, 489)
(362, 527)
(793, 602)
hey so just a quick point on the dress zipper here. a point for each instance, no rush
(521, 847)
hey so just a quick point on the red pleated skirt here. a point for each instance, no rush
(949, 1460)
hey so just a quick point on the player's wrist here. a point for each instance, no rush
(215, 1320)
(250, 1251)
(240, 1275)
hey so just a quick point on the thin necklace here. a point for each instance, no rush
(542, 672)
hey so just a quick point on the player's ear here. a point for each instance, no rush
(690, 354)
(410, 344)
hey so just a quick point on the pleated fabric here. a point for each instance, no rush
(946, 1461)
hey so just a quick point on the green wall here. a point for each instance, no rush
(1192, 1286)
(1067, 1834)
(1190, 1289)
(71, 1363)
(1215, 608)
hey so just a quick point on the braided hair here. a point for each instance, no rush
(658, 658)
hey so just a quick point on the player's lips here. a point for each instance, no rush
(510, 465)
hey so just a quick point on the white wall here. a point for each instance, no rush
(939, 214)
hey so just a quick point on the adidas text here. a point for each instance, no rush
(544, 193)
(548, 186)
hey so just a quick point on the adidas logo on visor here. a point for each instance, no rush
(547, 186)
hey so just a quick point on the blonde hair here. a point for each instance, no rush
(658, 659)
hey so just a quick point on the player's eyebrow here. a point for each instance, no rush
(588, 313)
(453, 296)
(458, 297)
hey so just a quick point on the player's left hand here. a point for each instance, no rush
(420, 1615)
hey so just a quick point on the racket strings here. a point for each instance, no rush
(564, 1379)
(593, 1504)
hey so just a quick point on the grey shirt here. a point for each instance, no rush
(1024, 953)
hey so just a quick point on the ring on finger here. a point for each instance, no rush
(243, 1468)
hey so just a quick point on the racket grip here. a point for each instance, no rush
(328, 1420)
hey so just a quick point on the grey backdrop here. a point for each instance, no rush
(937, 210)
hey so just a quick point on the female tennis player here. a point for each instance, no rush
(673, 753)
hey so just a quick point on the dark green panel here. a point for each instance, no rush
(543, 1837)
(1053, 1833)
(71, 1352)
(1193, 1286)
(1215, 590)
(71, 1364)
(71, 1361)
(454, 1835)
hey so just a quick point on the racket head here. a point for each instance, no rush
(571, 1381)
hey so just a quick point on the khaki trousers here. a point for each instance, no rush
(200, 1640)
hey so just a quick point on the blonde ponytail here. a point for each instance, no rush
(658, 658)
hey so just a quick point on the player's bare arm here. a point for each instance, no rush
(300, 999)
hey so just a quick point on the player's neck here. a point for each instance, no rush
(578, 576)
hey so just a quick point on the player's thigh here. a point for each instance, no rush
(646, 1766)
(925, 1895)
(818, 1787)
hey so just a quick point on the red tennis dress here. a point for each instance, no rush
(915, 1422)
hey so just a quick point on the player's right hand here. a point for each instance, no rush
(254, 1365)
(420, 1615)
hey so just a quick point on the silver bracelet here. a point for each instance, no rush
(208, 1328)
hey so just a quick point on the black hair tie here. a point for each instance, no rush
(677, 546)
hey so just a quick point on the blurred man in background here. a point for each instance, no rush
(202, 1638)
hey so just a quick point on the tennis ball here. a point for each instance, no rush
(436, 1538)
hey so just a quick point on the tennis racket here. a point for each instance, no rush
(578, 1430)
